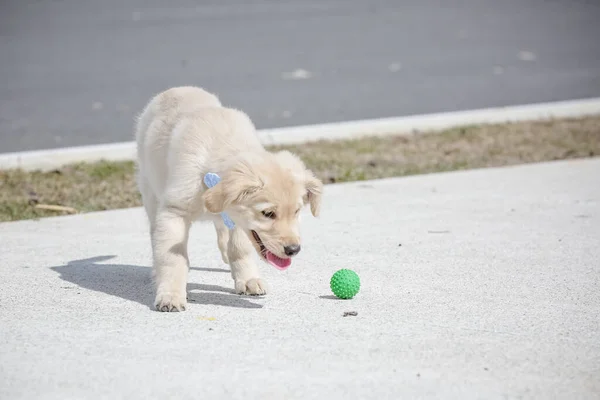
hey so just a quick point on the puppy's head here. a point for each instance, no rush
(264, 194)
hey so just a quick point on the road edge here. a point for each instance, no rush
(126, 151)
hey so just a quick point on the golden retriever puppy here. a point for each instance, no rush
(185, 133)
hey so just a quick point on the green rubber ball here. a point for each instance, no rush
(345, 284)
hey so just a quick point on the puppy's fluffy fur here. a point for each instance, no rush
(184, 133)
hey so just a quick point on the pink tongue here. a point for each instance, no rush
(278, 262)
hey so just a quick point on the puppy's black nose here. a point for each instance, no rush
(292, 250)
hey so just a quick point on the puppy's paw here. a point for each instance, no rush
(170, 302)
(253, 287)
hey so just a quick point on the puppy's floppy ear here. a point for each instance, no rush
(237, 184)
(314, 187)
(214, 199)
(314, 191)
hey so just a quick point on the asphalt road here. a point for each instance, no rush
(75, 72)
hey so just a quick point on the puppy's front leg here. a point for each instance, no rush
(243, 267)
(169, 244)
(222, 239)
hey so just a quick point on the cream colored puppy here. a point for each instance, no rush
(184, 133)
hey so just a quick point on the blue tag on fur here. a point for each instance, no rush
(211, 180)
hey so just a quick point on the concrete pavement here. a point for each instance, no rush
(75, 72)
(477, 284)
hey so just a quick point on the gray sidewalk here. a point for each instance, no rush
(477, 284)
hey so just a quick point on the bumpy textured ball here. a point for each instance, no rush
(345, 284)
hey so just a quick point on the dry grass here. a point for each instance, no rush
(84, 187)
(105, 185)
(455, 149)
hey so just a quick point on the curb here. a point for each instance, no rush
(126, 151)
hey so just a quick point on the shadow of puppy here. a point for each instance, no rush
(133, 283)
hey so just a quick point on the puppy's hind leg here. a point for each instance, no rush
(149, 200)
(222, 239)
(244, 270)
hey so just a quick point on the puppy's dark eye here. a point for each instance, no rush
(269, 214)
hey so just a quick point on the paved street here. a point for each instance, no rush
(474, 285)
(75, 72)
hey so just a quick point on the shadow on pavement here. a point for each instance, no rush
(329, 297)
(133, 283)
